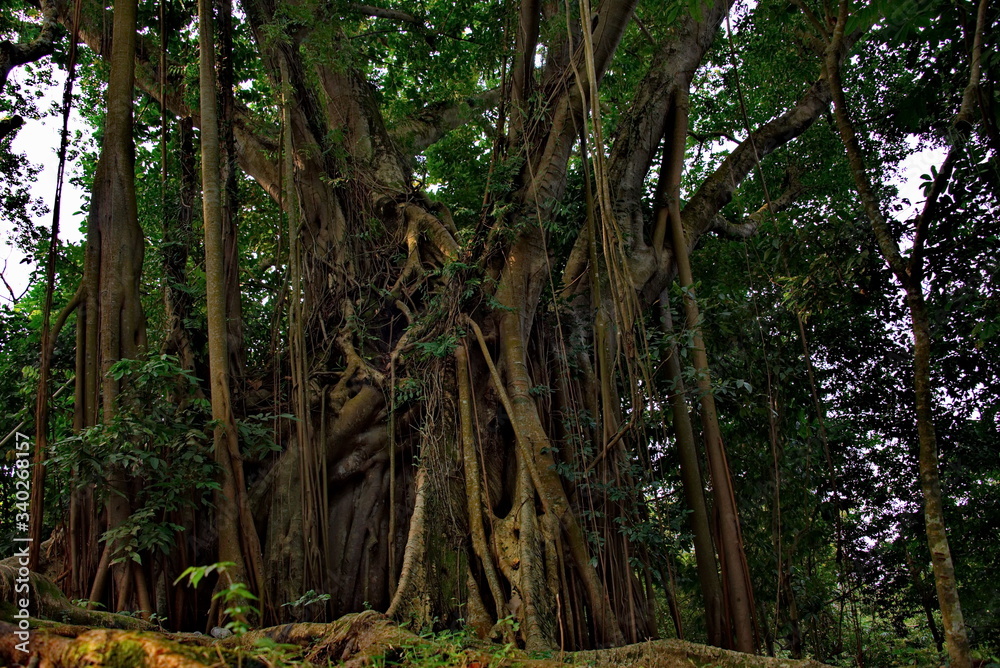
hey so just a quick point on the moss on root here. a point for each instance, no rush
(119, 654)
(47, 601)
(356, 641)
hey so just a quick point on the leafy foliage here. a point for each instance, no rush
(162, 443)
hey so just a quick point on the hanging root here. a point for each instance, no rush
(410, 580)
(473, 479)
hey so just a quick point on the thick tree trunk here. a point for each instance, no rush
(111, 325)
(347, 509)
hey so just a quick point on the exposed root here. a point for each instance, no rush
(678, 654)
(76, 647)
(46, 600)
(406, 594)
(354, 641)
(437, 232)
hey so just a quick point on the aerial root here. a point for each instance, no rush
(439, 232)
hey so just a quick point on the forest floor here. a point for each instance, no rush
(71, 637)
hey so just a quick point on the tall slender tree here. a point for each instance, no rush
(238, 541)
(910, 274)
(111, 323)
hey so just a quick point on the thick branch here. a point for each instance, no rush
(434, 121)
(545, 173)
(612, 18)
(524, 50)
(640, 130)
(638, 135)
(717, 190)
(747, 228)
(14, 54)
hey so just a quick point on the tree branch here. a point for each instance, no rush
(748, 227)
(252, 148)
(703, 137)
(717, 190)
(382, 13)
(639, 130)
(9, 125)
(434, 121)
(811, 16)
(612, 19)
(638, 134)
(869, 200)
(14, 54)
(962, 127)
(524, 51)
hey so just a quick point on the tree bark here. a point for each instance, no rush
(235, 345)
(694, 491)
(111, 325)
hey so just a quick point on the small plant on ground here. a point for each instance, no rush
(236, 596)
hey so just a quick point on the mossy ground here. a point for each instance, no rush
(72, 637)
(366, 639)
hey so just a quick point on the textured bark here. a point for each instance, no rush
(111, 325)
